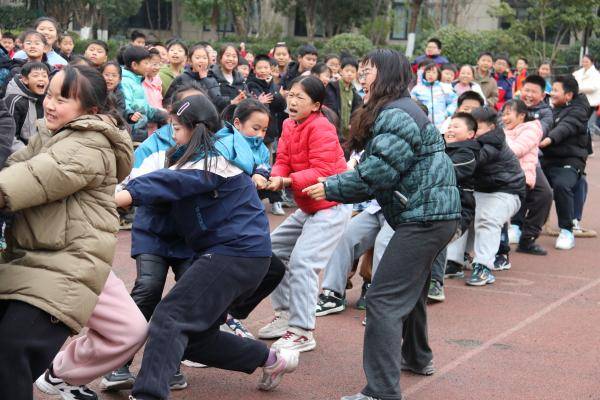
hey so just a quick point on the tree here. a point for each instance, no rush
(211, 11)
(549, 22)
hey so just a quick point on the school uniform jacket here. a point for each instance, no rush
(215, 206)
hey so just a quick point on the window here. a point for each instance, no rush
(401, 18)
(225, 23)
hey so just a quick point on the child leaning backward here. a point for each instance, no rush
(217, 210)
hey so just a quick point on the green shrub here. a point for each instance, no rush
(113, 47)
(356, 44)
(463, 47)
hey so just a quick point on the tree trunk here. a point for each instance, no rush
(148, 16)
(214, 21)
(311, 19)
(415, 9)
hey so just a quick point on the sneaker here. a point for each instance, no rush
(514, 234)
(120, 379)
(480, 276)
(277, 327)
(50, 384)
(296, 339)
(454, 270)
(193, 364)
(468, 261)
(427, 370)
(364, 322)
(501, 263)
(288, 199)
(359, 396)
(361, 304)
(436, 291)
(277, 209)
(565, 240)
(330, 302)
(287, 361)
(178, 381)
(580, 231)
(529, 246)
(236, 327)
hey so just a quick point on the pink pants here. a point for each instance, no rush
(116, 331)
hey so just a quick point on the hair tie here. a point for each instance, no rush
(183, 107)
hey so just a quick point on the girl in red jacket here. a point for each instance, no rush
(308, 149)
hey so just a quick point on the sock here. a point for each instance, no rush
(272, 359)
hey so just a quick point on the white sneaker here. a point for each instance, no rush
(193, 364)
(277, 209)
(277, 327)
(50, 384)
(287, 361)
(514, 234)
(577, 227)
(565, 240)
(296, 339)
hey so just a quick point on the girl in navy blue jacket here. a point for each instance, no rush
(217, 211)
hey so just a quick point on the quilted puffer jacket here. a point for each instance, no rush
(405, 155)
(62, 241)
(306, 152)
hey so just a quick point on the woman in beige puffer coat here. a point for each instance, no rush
(62, 239)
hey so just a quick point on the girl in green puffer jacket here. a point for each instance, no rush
(405, 168)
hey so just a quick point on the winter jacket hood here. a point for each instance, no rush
(62, 241)
(16, 94)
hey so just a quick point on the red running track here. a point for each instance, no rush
(534, 334)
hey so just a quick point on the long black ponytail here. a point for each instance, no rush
(198, 114)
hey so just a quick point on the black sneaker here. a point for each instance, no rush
(454, 270)
(121, 379)
(361, 304)
(178, 381)
(427, 370)
(501, 263)
(480, 276)
(330, 302)
(529, 246)
(436, 291)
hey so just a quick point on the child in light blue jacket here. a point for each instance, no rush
(137, 109)
(440, 99)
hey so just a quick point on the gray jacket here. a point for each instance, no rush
(543, 113)
(23, 105)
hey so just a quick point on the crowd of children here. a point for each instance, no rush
(187, 141)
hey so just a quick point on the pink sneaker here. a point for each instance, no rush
(287, 361)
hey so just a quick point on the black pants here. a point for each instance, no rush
(186, 323)
(244, 307)
(29, 340)
(150, 281)
(535, 209)
(274, 197)
(397, 303)
(581, 191)
(563, 181)
(438, 269)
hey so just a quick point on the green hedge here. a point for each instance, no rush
(113, 46)
(353, 43)
(463, 47)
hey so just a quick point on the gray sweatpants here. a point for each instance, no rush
(364, 231)
(305, 242)
(492, 211)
